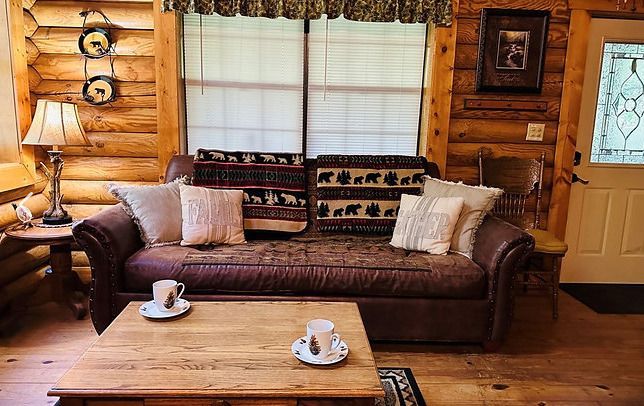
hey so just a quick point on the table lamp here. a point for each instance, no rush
(56, 124)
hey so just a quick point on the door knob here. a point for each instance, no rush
(576, 178)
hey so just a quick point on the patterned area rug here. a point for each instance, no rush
(400, 388)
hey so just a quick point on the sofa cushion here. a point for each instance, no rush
(334, 265)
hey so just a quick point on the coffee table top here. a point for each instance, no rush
(223, 349)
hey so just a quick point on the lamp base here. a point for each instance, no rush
(57, 221)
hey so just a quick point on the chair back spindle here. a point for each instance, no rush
(519, 178)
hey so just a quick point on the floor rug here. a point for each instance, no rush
(608, 298)
(400, 388)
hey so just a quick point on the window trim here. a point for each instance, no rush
(19, 174)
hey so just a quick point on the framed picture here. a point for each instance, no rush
(512, 46)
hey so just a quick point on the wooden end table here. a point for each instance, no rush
(225, 354)
(65, 285)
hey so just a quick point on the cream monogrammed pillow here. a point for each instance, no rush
(426, 223)
(156, 210)
(477, 203)
(211, 216)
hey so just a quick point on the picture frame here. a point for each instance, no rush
(512, 47)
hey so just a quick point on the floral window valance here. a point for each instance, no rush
(407, 11)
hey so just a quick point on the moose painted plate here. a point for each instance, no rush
(300, 349)
(149, 310)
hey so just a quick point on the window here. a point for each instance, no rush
(365, 82)
(246, 80)
(9, 134)
(618, 135)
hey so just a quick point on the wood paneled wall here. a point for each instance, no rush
(502, 132)
(123, 133)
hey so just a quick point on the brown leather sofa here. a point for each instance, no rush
(402, 295)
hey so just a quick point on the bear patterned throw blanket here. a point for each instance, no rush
(273, 184)
(361, 193)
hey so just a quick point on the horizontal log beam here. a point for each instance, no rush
(10, 246)
(127, 120)
(490, 131)
(18, 264)
(30, 23)
(468, 33)
(466, 154)
(470, 175)
(558, 8)
(66, 14)
(142, 145)
(93, 192)
(83, 211)
(79, 258)
(17, 194)
(71, 67)
(37, 204)
(22, 287)
(33, 76)
(465, 83)
(110, 168)
(459, 110)
(128, 94)
(466, 58)
(56, 40)
(606, 5)
(32, 51)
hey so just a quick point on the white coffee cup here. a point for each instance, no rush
(321, 338)
(165, 293)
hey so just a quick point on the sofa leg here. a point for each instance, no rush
(491, 345)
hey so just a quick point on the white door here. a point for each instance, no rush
(605, 230)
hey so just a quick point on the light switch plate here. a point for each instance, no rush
(535, 132)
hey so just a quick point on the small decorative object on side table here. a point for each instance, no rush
(55, 124)
(65, 285)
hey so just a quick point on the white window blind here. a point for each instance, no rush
(251, 95)
(365, 83)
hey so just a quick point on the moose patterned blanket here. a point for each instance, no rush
(361, 193)
(273, 184)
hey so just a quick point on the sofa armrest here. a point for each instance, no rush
(500, 249)
(108, 238)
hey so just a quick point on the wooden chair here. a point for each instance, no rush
(520, 178)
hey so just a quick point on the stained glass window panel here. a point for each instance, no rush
(618, 136)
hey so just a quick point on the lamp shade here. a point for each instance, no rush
(56, 123)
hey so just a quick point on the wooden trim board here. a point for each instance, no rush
(443, 53)
(568, 121)
(169, 111)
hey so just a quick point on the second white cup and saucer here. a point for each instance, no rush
(321, 345)
(167, 301)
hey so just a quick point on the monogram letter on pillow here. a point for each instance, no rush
(211, 216)
(426, 223)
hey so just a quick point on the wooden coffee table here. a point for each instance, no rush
(222, 353)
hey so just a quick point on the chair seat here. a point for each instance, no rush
(546, 243)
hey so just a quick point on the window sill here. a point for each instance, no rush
(14, 176)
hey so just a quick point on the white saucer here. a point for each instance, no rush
(150, 310)
(300, 350)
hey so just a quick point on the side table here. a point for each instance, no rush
(65, 285)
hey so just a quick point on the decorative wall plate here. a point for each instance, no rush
(95, 42)
(99, 90)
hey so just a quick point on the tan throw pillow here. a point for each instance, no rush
(426, 223)
(477, 203)
(211, 216)
(156, 210)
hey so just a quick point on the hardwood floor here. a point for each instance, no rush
(581, 359)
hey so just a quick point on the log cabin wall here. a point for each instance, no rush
(502, 132)
(123, 133)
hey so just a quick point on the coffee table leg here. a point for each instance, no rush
(68, 285)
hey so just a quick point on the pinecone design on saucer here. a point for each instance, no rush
(314, 346)
(169, 301)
